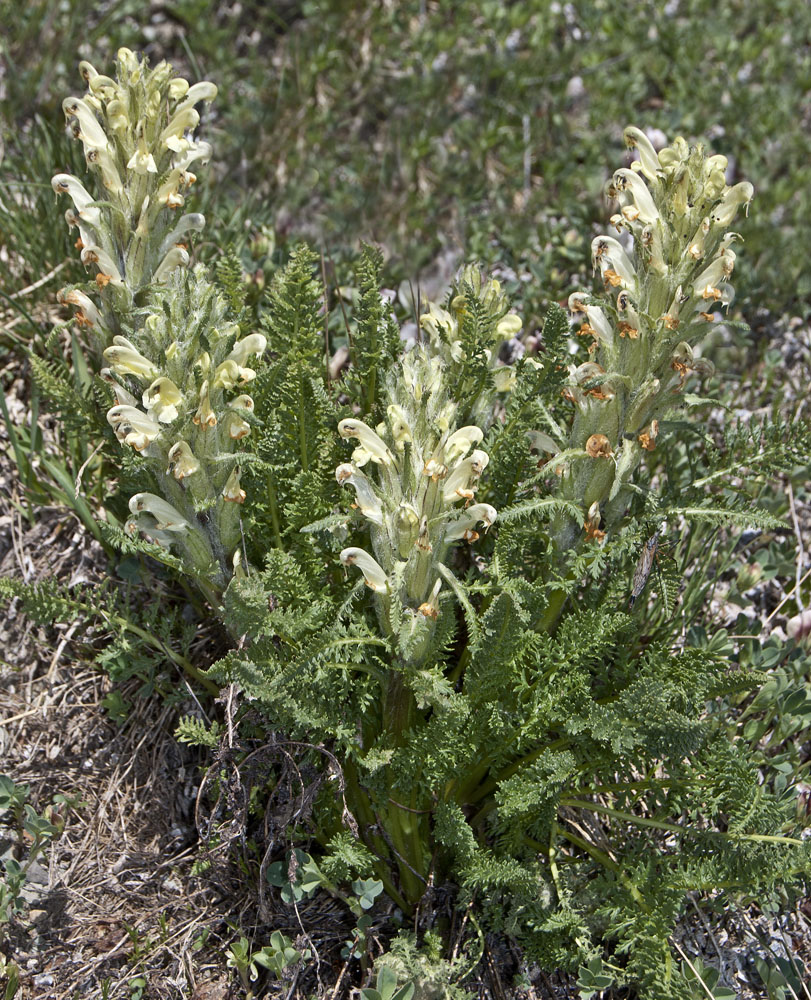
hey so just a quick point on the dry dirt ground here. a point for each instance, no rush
(118, 907)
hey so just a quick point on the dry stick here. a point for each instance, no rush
(24, 715)
(340, 979)
(706, 924)
(38, 284)
(787, 597)
(786, 943)
(196, 700)
(58, 653)
(797, 532)
(767, 946)
(83, 466)
(693, 969)
(308, 938)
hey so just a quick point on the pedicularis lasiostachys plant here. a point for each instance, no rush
(171, 351)
(446, 533)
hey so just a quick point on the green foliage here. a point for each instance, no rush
(31, 834)
(375, 338)
(297, 878)
(196, 733)
(278, 957)
(421, 968)
(387, 987)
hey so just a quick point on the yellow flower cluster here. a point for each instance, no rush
(136, 132)
(663, 280)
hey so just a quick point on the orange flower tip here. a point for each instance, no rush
(707, 317)
(427, 610)
(81, 319)
(610, 277)
(79, 244)
(598, 446)
(671, 322)
(102, 279)
(586, 330)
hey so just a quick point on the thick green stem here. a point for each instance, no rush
(403, 824)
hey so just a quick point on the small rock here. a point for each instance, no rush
(799, 626)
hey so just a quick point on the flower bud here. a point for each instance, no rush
(464, 527)
(367, 501)
(371, 446)
(166, 516)
(734, 197)
(161, 399)
(125, 359)
(182, 462)
(461, 483)
(636, 139)
(373, 575)
(598, 446)
(626, 181)
(205, 416)
(232, 491)
(398, 422)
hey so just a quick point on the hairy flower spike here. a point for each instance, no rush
(674, 262)
(138, 163)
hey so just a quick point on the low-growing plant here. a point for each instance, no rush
(278, 957)
(509, 712)
(32, 833)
